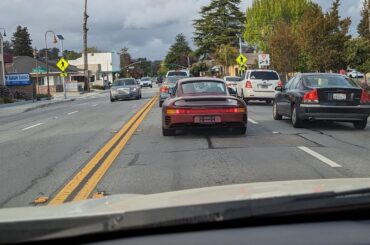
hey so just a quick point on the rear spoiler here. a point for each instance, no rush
(210, 98)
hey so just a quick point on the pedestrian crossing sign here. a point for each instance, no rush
(62, 64)
(241, 59)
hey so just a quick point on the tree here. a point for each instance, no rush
(8, 47)
(126, 60)
(311, 38)
(263, 14)
(336, 36)
(218, 25)
(284, 48)
(21, 42)
(225, 55)
(71, 54)
(93, 50)
(363, 26)
(178, 54)
(358, 54)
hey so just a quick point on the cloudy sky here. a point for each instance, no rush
(146, 27)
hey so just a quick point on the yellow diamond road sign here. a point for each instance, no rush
(62, 64)
(241, 59)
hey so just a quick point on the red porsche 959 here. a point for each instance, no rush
(203, 103)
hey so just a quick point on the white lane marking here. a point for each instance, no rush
(252, 121)
(94, 105)
(276, 132)
(33, 126)
(320, 157)
(73, 112)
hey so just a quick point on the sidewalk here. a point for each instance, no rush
(58, 98)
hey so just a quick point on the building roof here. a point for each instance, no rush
(25, 64)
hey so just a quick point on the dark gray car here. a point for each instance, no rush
(126, 88)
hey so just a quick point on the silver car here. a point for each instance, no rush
(126, 88)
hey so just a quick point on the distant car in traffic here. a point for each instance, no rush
(322, 96)
(176, 73)
(125, 88)
(352, 73)
(203, 103)
(232, 82)
(167, 86)
(258, 85)
(146, 82)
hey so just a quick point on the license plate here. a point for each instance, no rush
(207, 119)
(339, 96)
(264, 86)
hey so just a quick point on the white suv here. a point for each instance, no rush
(258, 85)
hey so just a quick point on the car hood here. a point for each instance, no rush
(118, 204)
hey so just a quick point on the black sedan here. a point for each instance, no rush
(322, 96)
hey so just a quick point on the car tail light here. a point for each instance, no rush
(248, 84)
(171, 111)
(280, 84)
(311, 97)
(365, 97)
(164, 89)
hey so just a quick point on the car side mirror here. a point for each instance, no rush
(279, 88)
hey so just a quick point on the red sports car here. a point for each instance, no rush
(203, 103)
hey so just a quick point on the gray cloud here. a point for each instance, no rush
(146, 27)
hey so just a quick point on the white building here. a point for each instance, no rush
(102, 67)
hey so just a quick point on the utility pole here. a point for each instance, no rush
(85, 30)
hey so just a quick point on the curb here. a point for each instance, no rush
(48, 104)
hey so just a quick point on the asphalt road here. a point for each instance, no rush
(41, 150)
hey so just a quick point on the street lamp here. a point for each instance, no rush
(2, 54)
(240, 42)
(61, 38)
(47, 58)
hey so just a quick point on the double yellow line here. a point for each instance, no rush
(84, 182)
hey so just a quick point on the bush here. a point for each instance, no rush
(20, 95)
(5, 100)
(41, 96)
(100, 87)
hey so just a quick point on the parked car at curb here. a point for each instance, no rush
(125, 88)
(203, 103)
(352, 73)
(258, 85)
(322, 96)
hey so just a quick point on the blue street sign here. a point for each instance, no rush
(19, 79)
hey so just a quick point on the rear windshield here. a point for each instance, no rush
(201, 87)
(173, 79)
(145, 79)
(324, 81)
(264, 75)
(233, 79)
(125, 82)
(177, 73)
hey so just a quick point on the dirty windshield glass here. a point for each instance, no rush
(137, 106)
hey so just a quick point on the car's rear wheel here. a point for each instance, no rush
(241, 130)
(268, 101)
(160, 103)
(275, 112)
(360, 124)
(168, 132)
(296, 121)
(111, 99)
